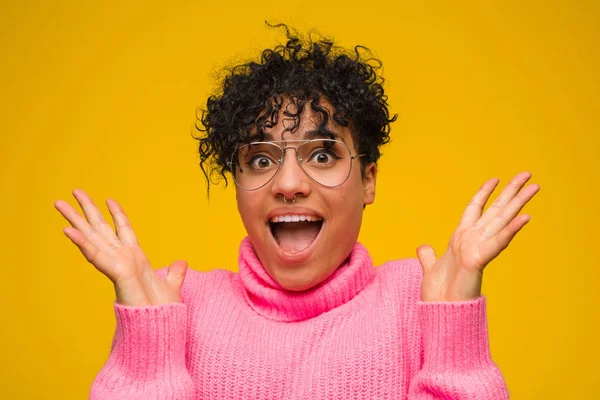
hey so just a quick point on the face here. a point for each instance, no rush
(296, 255)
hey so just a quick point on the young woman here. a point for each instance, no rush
(307, 316)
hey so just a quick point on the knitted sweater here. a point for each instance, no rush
(363, 333)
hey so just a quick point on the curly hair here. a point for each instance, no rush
(303, 72)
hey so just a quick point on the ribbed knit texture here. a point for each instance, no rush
(361, 334)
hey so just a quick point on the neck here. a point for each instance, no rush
(272, 301)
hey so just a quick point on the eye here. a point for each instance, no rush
(324, 157)
(260, 161)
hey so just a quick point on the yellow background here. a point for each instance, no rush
(102, 97)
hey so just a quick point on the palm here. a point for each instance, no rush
(479, 238)
(119, 256)
(466, 248)
(118, 262)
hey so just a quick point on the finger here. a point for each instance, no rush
(82, 226)
(427, 257)
(91, 253)
(507, 194)
(475, 207)
(495, 245)
(504, 216)
(123, 226)
(95, 217)
(176, 274)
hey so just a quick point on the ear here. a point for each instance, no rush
(369, 181)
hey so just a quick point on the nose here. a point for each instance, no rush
(290, 179)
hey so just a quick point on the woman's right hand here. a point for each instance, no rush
(118, 256)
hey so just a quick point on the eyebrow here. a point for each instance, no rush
(308, 135)
(314, 134)
(257, 136)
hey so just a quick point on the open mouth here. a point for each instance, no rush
(294, 233)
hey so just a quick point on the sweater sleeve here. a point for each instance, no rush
(147, 358)
(456, 359)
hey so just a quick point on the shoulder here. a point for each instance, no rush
(403, 270)
(400, 289)
(401, 277)
(198, 285)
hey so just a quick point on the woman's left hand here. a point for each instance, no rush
(457, 275)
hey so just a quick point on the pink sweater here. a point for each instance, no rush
(361, 334)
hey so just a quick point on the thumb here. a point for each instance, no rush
(427, 257)
(176, 274)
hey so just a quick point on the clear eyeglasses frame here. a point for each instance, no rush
(327, 162)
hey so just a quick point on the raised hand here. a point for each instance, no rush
(457, 275)
(118, 256)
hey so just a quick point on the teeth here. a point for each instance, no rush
(295, 218)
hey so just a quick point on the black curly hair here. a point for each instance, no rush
(302, 72)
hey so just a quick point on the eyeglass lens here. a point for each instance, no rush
(326, 161)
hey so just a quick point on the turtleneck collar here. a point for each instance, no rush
(272, 301)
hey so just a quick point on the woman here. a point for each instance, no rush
(307, 316)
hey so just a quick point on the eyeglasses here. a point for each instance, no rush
(325, 161)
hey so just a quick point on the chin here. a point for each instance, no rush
(298, 280)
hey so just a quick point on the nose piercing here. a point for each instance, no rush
(285, 200)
